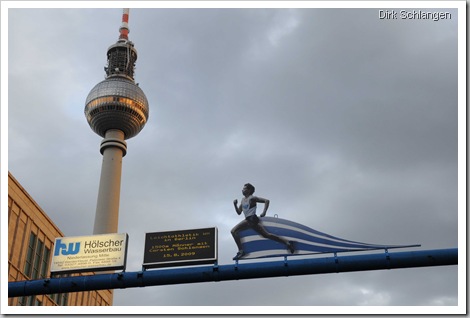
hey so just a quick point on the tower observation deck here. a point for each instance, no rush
(116, 109)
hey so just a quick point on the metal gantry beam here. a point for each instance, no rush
(216, 273)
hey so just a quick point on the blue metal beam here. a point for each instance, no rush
(215, 273)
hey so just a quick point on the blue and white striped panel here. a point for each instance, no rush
(306, 241)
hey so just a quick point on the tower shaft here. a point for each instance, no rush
(113, 148)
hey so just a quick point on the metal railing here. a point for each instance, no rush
(237, 271)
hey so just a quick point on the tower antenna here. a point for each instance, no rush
(124, 29)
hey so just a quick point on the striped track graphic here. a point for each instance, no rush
(306, 241)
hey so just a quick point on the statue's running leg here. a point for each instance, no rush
(236, 236)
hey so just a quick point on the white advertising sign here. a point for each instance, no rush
(89, 253)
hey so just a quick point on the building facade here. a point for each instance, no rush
(31, 236)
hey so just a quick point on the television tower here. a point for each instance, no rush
(116, 109)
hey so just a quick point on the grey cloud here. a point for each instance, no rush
(347, 123)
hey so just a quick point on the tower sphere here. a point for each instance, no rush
(117, 103)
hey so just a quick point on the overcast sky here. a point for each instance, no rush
(345, 121)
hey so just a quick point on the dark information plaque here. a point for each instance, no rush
(179, 248)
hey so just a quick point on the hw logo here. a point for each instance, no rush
(61, 248)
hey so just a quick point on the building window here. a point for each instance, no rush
(45, 262)
(61, 299)
(22, 301)
(37, 258)
(29, 301)
(36, 266)
(30, 254)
